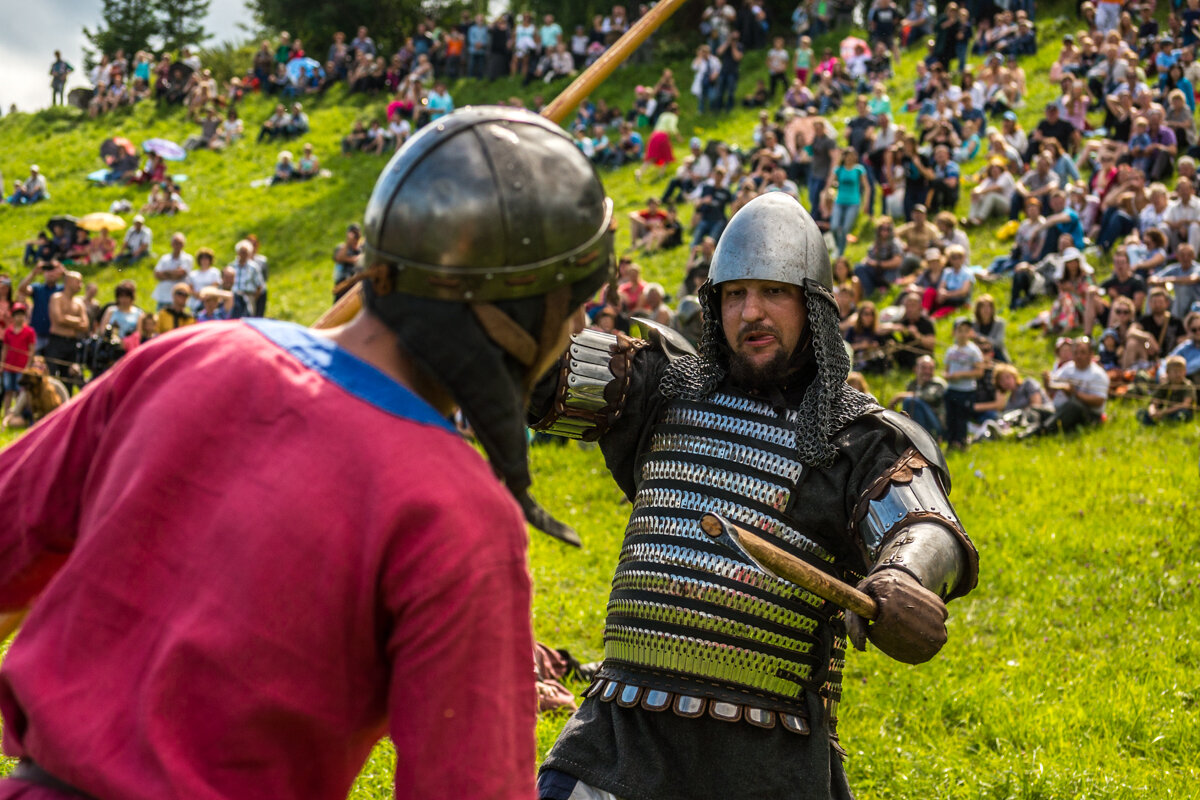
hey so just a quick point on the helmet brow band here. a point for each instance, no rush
(502, 330)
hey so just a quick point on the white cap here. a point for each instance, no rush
(33, 168)
(138, 218)
(1071, 254)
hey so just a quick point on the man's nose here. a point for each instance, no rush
(752, 309)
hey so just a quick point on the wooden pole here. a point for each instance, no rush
(350, 304)
(784, 565)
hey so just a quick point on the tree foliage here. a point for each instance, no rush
(315, 21)
(133, 25)
(181, 22)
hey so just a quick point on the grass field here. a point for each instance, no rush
(1071, 671)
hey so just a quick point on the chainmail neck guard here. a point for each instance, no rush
(829, 404)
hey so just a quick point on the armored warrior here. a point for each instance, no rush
(708, 661)
(243, 614)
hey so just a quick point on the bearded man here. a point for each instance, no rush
(719, 681)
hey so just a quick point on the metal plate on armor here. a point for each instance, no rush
(760, 717)
(921, 497)
(726, 712)
(629, 696)
(794, 723)
(656, 700)
(688, 706)
(610, 691)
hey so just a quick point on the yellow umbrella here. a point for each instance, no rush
(101, 219)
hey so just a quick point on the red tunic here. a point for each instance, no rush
(268, 555)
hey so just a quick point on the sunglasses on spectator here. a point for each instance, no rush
(1121, 311)
(1193, 330)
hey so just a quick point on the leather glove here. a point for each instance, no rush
(910, 625)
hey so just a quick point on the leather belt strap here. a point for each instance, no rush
(28, 770)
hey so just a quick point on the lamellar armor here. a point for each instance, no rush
(691, 627)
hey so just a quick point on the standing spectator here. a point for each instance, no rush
(1078, 389)
(730, 53)
(923, 398)
(40, 294)
(59, 71)
(777, 67)
(824, 147)
(136, 244)
(171, 268)
(361, 43)
(69, 322)
(248, 283)
(124, 315)
(478, 42)
(964, 366)
(19, 342)
(500, 45)
(710, 208)
(1174, 399)
(707, 69)
(203, 275)
(214, 304)
(851, 182)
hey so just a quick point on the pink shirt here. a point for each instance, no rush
(265, 554)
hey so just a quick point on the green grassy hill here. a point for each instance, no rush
(1070, 673)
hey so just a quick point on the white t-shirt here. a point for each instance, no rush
(162, 292)
(1093, 381)
(200, 278)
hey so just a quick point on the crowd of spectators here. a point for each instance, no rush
(1105, 176)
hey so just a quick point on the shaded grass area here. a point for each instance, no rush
(1071, 671)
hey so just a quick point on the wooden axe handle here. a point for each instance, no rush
(794, 570)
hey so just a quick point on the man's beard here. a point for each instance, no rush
(759, 378)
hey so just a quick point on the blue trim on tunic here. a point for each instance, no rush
(321, 355)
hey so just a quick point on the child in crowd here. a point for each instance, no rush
(19, 344)
(803, 59)
(777, 64)
(964, 366)
(1175, 398)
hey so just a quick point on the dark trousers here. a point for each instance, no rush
(960, 406)
(924, 415)
(777, 79)
(1114, 224)
(62, 353)
(1070, 416)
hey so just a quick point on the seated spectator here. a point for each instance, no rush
(988, 327)
(916, 237)
(297, 122)
(102, 248)
(285, 170)
(950, 234)
(1061, 219)
(652, 306)
(867, 341)
(1188, 349)
(643, 222)
(1182, 217)
(1027, 243)
(78, 252)
(356, 140)
(1157, 332)
(881, 266)
(843, 275)
(215, 304)
(993, 196)
(698, 264)
(914, 333)
(1078, 389)
(229, 132)
(137, 241)
(1174, 399)
(308, 165)
(1020, 403)
(202, 275)
(944, 186)
(1124, 282)
(275, 125)
(440, 102)
(176, 314)
(32, 190)
(923, 398)
(347, 260)
(1183, 277)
